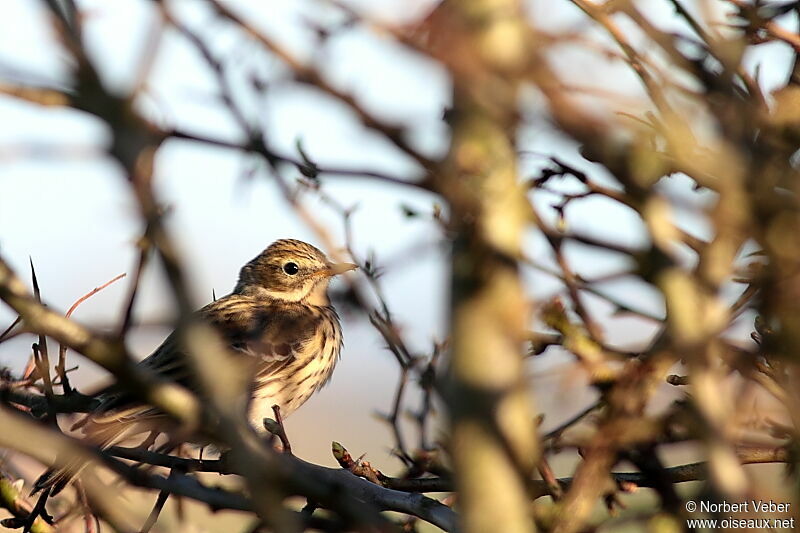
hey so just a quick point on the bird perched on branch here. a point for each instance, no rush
(278, 314)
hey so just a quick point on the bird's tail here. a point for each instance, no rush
(101, 431)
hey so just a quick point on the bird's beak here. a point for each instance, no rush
(334, 269)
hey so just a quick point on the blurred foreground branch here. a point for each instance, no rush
(687, 182)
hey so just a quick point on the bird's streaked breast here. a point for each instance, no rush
(301, 377)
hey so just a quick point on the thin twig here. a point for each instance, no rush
(61, 367)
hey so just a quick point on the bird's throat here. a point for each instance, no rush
(318, 294)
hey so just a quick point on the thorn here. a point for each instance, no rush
(35, 281)
(9, 328)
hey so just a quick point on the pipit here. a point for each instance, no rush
(278, 314)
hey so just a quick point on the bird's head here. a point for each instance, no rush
(292, 271)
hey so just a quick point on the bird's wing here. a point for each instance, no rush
(281, 335)
(273, 333)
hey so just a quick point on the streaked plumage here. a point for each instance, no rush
(278, 313)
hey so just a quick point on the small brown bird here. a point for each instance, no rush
(278, 313)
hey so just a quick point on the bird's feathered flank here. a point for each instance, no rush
(276, 334)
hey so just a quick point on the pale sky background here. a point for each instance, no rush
(71, 211)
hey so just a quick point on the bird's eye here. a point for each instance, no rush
(291, 268)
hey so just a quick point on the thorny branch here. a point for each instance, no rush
(703, 115)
